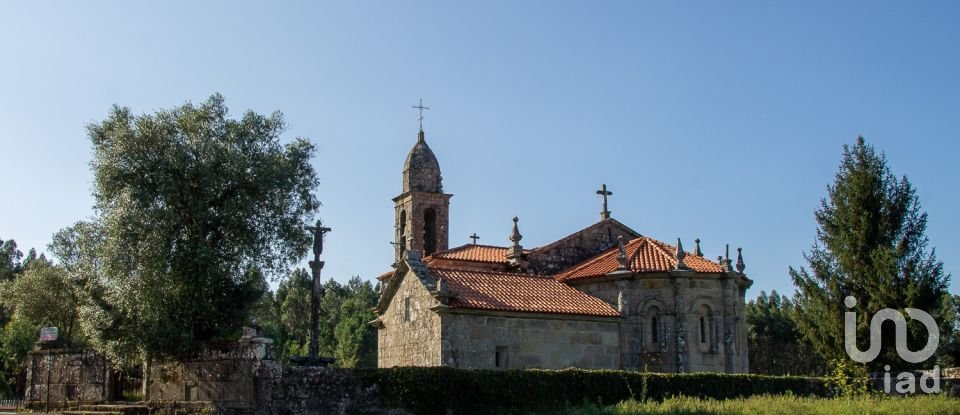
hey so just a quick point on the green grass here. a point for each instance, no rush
(787, 405)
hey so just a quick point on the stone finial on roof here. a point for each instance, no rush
(442, 292)
(740, 265)
(725, 263)
(515, 252)
(621, 255)
(515, 236)
(696, 250)
(680, 255)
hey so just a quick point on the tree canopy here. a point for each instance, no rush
(193, 209)
(871, 245)
(776, 345)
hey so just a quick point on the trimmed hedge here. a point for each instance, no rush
(437, 390)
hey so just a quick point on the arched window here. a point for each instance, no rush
(429, 231)
(705, 318)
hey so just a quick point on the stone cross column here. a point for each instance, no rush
(315, 266)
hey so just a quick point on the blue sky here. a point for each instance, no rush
(717, 120)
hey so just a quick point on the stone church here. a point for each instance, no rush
(603, 297)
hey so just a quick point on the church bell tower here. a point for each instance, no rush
(422, 209)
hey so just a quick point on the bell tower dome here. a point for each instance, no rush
(421, 210)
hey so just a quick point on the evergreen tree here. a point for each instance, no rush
(776, 345)
(871, 245)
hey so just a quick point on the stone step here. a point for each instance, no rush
(81, 412)
(122, 408)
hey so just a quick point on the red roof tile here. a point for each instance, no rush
(518, 292)
(386, 275)
(644, 255)
(475, 253)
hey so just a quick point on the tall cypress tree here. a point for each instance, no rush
(871, 245)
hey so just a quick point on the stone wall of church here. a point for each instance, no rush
(521, 341)
(685, 322)
(411, 331)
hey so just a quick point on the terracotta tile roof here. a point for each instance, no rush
(644, 255)
(502, 291)
(385, 275)
(475, 253)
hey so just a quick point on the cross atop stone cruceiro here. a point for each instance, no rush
(421, 108)
(603, 192)
(318, 232)
(474, 237)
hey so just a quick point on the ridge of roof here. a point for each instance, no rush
(594, 225)
(485, 271)
(473, 253)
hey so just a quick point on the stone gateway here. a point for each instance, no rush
(604, 297)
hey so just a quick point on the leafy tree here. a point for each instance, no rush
(950, 341)
(16, 340)
(871, 245)
(293, 303)
(10, 257)
(344, 313)
(776, 346)
(43, 296)
(193, 208)
(356, 341)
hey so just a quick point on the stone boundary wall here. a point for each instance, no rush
(243, 378)
(235, 377)
(64, 377)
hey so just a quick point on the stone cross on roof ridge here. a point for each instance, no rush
(603, 192)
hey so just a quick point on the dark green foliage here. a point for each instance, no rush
(193, 209)
(344, 332)
(16, 339)
(16, 335)
(871, 245)
(437, 390)
(776, 346)
(10, 260)
(950, 341)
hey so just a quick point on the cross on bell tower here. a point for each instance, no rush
(421, 108)
(603, 192)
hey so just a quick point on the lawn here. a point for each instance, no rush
(788, 405)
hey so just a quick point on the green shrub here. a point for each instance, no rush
(435, 390)
(876, 404)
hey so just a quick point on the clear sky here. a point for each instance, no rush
(717, 120)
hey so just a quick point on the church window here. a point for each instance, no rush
(654, 330)
(500, 357)
(703, 330)
(429, 231)
(403, 230)
(406, 309)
